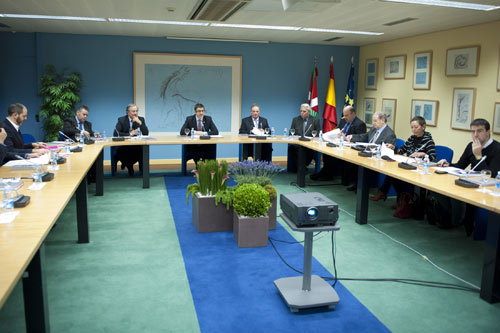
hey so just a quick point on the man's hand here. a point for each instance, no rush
(418, 154)
(86, 134)
(443, 163)
(133, 132)
(33, 155)
(390, 146)
(37, 145)
(477, 148)
(349, 137)
(137, 120)
(3, 135)
(40, 151)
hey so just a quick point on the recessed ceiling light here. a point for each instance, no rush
(452, 4)
(50, 17)
(253, 26)
(119, 20)
(343, 31)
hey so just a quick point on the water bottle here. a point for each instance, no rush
(37, 173)
(320, 136)
(341, 143)
(67, 145)
(192, 133)
(53, 159)
(139, 134)
(273, 132)
(8, 203)
(378, 154)
(497, 185)
(103, 134)
(285, 133)
(425, 168)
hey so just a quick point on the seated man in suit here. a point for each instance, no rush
(303, 126)
(349, 124)
(3, 147)
(247, 125)
(78, 124)
(16, 115)
(130, 125)
(203, 125)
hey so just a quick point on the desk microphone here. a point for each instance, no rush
(303, 137)
(204, 137)
(118, 137)
(475, 166)
(67, 137)
(46, 176)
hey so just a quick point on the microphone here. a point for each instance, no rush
(46, 176)
(207, 136)
(475, 166)
(67, 137)
(118, 137)
(303, 137)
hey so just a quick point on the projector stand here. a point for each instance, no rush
(315, 291)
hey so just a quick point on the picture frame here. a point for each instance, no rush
(395, 67)
(462, 111)
(369, 110)
(463, 61)
(371, 69)
(496, 119)
(498, 77)
(389, 109)
(425, 108)
(168, 85)
(422, 70)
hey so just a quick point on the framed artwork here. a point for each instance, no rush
(496, 119)
(463, 61)
(498, 77)
(168, 85)
(422, 70)
(462, 111)
(369, 108)
(395, 67)
(389, 109)
(371, 74)
(425, 108)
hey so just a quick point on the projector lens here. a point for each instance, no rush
(312, 213)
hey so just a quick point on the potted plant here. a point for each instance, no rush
(59, 94)
(211, 177)
(261, 173)
(250, 220)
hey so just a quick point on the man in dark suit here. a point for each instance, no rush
(247, 125)
(78, 124)
(16, 115)
(303, 126)
(349, 124)
(202, 125)
(379, 133)
(130, 125)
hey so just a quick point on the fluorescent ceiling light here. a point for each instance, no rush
(342, 31)
(252, 26)
(155, 22)
(219, 39)
(452, 4)
(50, 17)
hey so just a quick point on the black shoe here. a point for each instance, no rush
(352, 188)
(130, 170)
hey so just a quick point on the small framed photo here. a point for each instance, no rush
(371, 74)
(463, 61)
(369, 108)
(462, 111)
(422, 70)
(425, 108)
(389, 109)
(496, 119)
(395, 67)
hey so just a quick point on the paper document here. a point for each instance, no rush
(44, 159)
(459, 172)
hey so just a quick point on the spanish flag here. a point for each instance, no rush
(330, 112)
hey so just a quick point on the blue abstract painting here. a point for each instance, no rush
(422, 62)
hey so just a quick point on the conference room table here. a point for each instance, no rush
(21, 245)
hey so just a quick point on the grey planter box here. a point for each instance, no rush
(207, 217)
(272, 213)
(250, 231)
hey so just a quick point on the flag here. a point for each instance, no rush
(330, 111)
(312, 99)
(349, 95)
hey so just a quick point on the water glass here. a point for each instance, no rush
(485, 177)
(285, 133)
(37, 173)
(313, 133)
(77, 136)
(292, 131)
(8, 199)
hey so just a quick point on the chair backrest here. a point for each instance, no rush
(399, 142)
(28, 138)
(444, 152)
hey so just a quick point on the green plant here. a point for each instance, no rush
(225, 196)
(251, 200)
(211, 177)
(60, 94)
(252, 179)
(271, 190)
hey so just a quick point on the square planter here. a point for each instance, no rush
(207, 217)
(272, 214)
(250, 231)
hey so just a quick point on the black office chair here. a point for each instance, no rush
(186, 158)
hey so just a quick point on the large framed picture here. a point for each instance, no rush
(462, 111)
(463, 61)
(395, 67)
(369, 108)
(371, 74)
(168, 85)
(422, 70)
(389, 109)
(498, 77)
(428, 109)
(496, 119)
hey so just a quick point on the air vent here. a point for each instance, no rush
(216, 10)
(408, 19)
(332, 39)
(4, 26)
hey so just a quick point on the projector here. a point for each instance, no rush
(309, 209)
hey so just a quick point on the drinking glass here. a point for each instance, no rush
(313, 133)
(373, 150)
(97, 135)
(187, 131)
(292, 131)
(77, 137)
(485, 176)
(418, 162)
(266, 130)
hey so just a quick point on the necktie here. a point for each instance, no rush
(375, 137)
(81, 126)
(199, 124)
(304, 129)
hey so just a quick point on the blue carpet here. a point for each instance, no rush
(233, 288)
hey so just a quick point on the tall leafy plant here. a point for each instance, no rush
(211, 177)
(59, 94)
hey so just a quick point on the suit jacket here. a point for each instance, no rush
(14, 140)
(208, 125)
(123, 126)
(70, 127)
(247, 124)
(387, 136)
(313, 123)
(357, 126)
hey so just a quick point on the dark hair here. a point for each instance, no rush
(419, 119)
(15, 108)
(197, 106)
(481, 122)
(83, 107)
